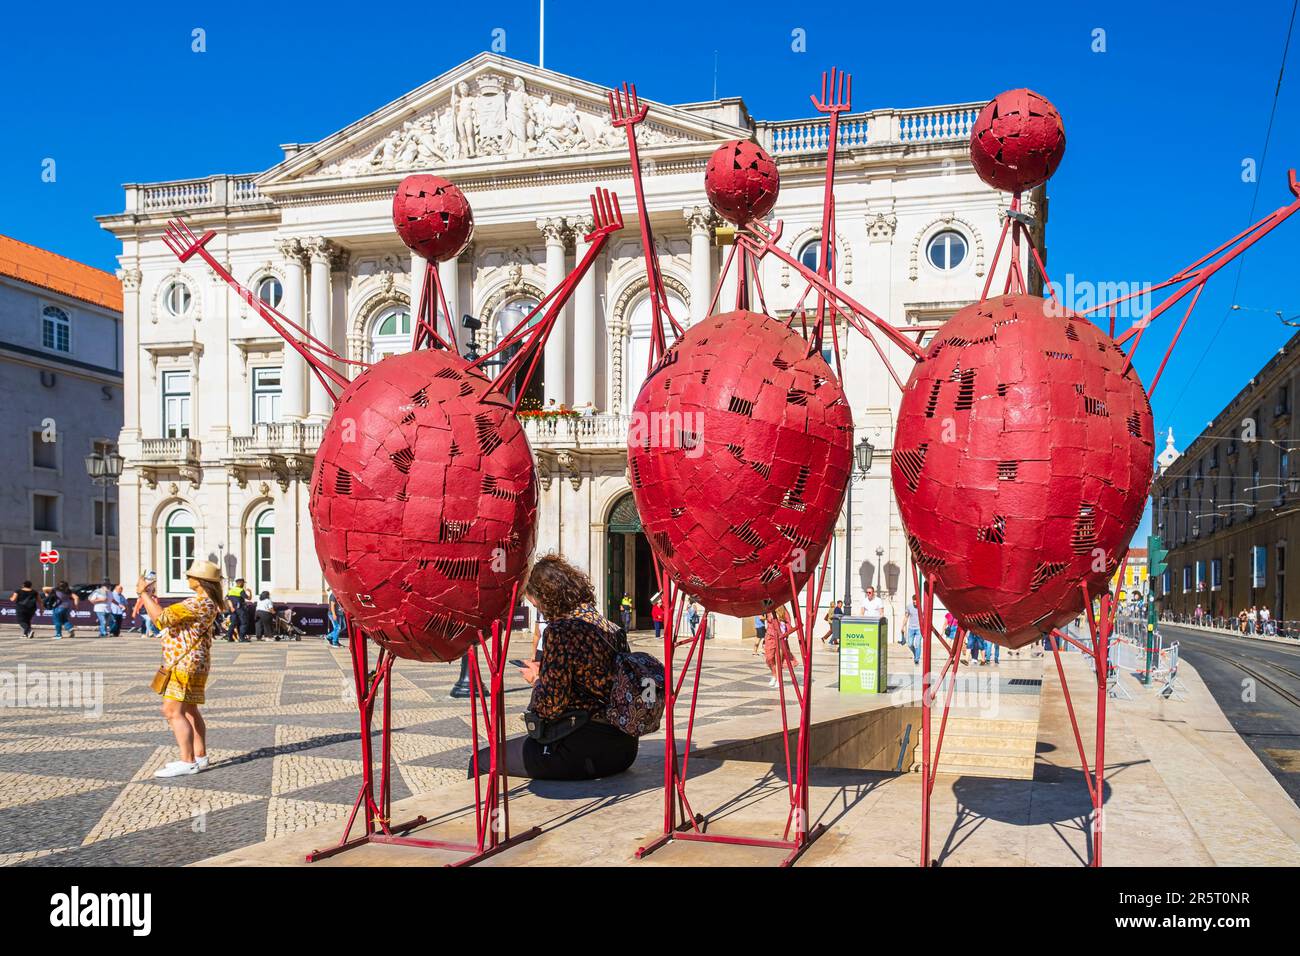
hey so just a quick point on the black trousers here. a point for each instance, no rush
(25, 620)
(589, 753)
(265, 624)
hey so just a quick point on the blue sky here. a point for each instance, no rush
(1158, 125)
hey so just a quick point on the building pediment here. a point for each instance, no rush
(489, 111)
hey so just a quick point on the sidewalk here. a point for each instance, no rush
(1182, 790)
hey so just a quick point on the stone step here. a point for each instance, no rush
(1023, 762)
(985, 727)
(1023, 772)
(983, 743)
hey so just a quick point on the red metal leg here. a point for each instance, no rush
(491, 802)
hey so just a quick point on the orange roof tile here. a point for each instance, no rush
(50, 270)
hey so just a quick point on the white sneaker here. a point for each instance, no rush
(177, 768)
(201, 762)
(772, 682)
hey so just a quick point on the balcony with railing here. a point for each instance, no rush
(170, 451)
(210, 192)
(883, 128)
(278, 438)
(593, 432)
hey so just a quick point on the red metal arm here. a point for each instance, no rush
(531, 334)
(626, 110)
(184, 244)
(841, 94)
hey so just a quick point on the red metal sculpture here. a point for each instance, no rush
(1019, 460)
(424, 498)
(1017, 141)
(741, 181)
(1021, 464)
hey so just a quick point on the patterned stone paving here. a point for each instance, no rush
(77, 784)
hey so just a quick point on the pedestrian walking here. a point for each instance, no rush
(64, 603)
(265, 616)
(117, 608)
(832, 618)
(760, 631)
(236, 598)
(337, 620)
(914, 629)
(187, 628)
(692, 615)
(776, 642)
(26, 603)
(657, 618)
(625, 610)
(101, 603)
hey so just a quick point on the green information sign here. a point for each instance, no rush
(864, 656)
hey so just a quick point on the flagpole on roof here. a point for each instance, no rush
(541, 34)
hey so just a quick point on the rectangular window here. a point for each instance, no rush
(176, 404)
(1187, 578)
(1200, 576)
(45, 513)
(180, 555)
(1165, 588)
(45, 454)
(99, 518)
(1216, 574)
(56, 329)
(266, 395)
(1258, 566)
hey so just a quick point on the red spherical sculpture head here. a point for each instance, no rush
(1017, 141)
(1021, 464)
(423, 504)
(741, 181)
(432, 216)
(739, 452)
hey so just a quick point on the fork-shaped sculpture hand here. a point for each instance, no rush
(180, 239)
(627, 110)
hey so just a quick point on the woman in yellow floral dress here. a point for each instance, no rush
(187, 628)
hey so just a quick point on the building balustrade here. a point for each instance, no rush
(604, 431)
(170, 451)
(278, 438)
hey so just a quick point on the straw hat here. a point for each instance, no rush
(204, 571)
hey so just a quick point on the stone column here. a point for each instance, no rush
(556, 355)
(700, 219)
(449, 276)
(319, 406)
(293, 375)
(132, 386)
(417, 285)
(584, 321)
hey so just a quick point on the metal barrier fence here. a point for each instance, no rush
(1286, 629)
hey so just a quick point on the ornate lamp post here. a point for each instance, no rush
(862, 454)
(104, 469)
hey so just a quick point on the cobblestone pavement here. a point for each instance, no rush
(77, 784)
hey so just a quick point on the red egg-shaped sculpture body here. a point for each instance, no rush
(741, 181)
(1017, 141)
(423, 504)
(432, 216)
(739, 452)
(1021, 464)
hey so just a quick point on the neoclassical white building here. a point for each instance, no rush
(221, 420)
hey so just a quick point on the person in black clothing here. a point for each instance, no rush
(25, 601)
(236, 598)
(571, 685)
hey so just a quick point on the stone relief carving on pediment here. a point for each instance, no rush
(494, 116)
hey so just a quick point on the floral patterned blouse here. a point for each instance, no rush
(577, 668)
(187, 634)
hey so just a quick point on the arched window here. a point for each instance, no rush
(508, 318)
(177, 299)
(263, 548)
(946, 250)
(179, 543)
(390, 332)
(810, 254)
(637, 354)
(270, 291)
(56, 329)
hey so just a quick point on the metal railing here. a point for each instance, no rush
(211, 191)
(1271, 628)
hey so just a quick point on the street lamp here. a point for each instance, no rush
(862, 455)
(104, 468)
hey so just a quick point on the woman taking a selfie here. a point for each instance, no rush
(187, 628)
(569, 736)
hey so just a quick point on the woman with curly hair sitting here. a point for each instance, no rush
(569, 737)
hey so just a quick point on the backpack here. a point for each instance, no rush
(636, 694)
(50, 600)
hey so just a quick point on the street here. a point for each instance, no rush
(1257, 684)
